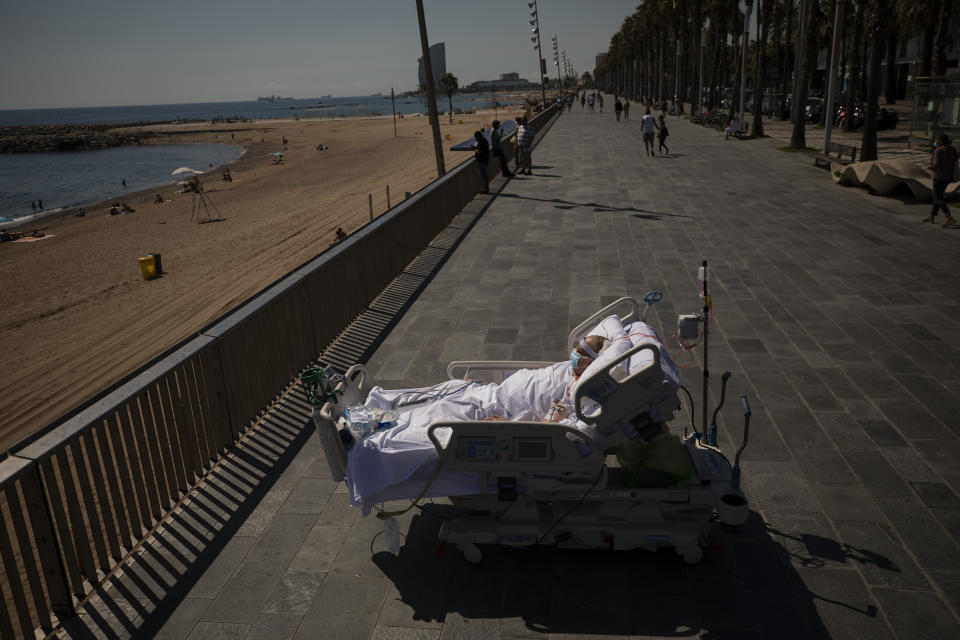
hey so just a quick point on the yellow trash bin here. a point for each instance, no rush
(148, 267)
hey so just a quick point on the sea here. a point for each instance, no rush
(76, 178)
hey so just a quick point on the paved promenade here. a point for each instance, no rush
(837, 313)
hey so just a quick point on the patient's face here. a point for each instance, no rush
(582, 361)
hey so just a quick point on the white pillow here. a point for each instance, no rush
(612, 329)
(642, 333)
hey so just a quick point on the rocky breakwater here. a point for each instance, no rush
(67, 137)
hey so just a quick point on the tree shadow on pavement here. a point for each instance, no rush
(597, 207)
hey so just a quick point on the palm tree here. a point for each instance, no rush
(868, 149)
(449, 85)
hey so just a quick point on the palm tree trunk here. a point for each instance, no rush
(853, 67)
(760, 64)
(868, 150)
(890, 84)
(940, 43)
(808, 63)
(787, 57)
(926, 51)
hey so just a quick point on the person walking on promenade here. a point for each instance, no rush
(648, 126)
(497, 146)
(618, 107)
(583, 101)
(600, 102)
(626, 109)
(662, 136)
(525, 145)
(591, 101)
(941, 166)
(482, 154)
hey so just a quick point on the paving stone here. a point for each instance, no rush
(183, 619)
(282, 538)
(921, 534)
(245, 593)
(309, 496)
(878, 476)
(294, 592)
(917, 614)
(936, 494)
(879, 556)
(844, 605)
(319, 548)
(404, 633)
(274, 626)
(219, 631)
(458, 627)
(346, 607)
(222, 567)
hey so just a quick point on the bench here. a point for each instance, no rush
(823, 160)
(744, 131)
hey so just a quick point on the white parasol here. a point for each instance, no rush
(186, 170)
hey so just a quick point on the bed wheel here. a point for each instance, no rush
(470, 552)
(691, 555)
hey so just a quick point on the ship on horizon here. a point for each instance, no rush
(272, 99)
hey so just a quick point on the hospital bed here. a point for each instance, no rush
(544, 483)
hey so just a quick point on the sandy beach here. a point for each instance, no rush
(76, 314)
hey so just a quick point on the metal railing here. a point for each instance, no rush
(77, 499)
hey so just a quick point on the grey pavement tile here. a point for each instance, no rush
(245, 593)
(825, 466)
(910, 464)
(226, 563)
(337, 511)
(936, 494)
(319, 548)
(848, 503)
(917, 615)
(346, 607)
(879, 556)
(274, 626)
(942, 457)
(219, 631)
(922, 535)
(294, 592)
(282, 538)
(778, 485)
(883, 433)
(844, 605)
(309, 496)
(877, 475)
(459, 627)
(183, 619)
(948, 586)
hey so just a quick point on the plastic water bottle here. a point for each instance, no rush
(392, 529)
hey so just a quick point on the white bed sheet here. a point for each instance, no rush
(397, 463)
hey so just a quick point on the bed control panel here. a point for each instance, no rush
(532, 449)
(479, 449)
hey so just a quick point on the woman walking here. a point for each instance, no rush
(941, 170)
(662, 135)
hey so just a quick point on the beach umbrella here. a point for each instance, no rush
(278, 153)
(186, 170)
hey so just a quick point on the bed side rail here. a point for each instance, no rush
(512, 448)
(616, 403)
(490, 370)
(625, 304)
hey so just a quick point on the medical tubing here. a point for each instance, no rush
(692, 408)
(383, 515)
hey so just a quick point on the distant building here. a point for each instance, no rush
(507, 81)
(438, 64)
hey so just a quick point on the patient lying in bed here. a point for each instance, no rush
(378, 464)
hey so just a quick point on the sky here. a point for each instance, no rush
(79, 53)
